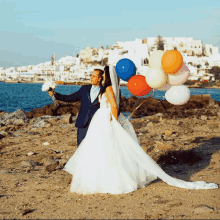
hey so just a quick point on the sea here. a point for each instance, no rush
(28, 96)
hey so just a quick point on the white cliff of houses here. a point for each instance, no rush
(139, 51)
(72, 68)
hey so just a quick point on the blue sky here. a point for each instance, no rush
(31, 30)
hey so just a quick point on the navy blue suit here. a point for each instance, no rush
(86, 111)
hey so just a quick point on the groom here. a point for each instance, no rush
(88, 96)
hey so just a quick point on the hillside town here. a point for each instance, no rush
(198, 57)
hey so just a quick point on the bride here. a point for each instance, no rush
(110, 159)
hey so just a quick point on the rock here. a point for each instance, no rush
(150, 124)
(34, 130)
(203, 117)
(31, 153)
(168, 133)
(67, 119)
(9, 118)
(40, 124)
(160, 114)
(9, 122)
(58, 152)
(1, 136)
(52, 167)
(203, 209)
(45, 143)
(12, 128)
(174, 135)
(158, 137)
(48, 161)
(212, 102)
(31, 121)
(167, 138)
(64, 126)
(62, 162)
(67, 157)
(53, 121)
(19, 122)
(29, 163)
(6, 116)
(4, 134)
(48, 125)
(48, 117)
(153, 117)
(27, 211)
(19, 114)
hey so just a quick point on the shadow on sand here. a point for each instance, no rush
(185, 163)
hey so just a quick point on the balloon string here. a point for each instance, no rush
(138, 106)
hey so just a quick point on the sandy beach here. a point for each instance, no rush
(33, 184)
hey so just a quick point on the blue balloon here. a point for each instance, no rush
(125, 69)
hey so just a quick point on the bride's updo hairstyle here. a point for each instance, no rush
(107, 81)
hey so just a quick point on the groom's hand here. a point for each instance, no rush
(50, 93)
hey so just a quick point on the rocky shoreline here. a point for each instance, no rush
(183, 140)
(150, 107)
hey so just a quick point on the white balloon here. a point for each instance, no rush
(180, 77)
(155, 59)
(178, 95)
(156, 78)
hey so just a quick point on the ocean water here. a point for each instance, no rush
(28, 96)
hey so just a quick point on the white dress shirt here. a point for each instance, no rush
(94, 92)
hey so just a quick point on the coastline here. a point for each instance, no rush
(81, 83)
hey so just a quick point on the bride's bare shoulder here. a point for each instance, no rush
(109, 89)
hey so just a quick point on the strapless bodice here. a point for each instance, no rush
(104, 101)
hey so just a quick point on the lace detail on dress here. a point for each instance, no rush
(104, 101)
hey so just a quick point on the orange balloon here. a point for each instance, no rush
(138, 86)
(172, 61)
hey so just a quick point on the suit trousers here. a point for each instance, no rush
(81, 133)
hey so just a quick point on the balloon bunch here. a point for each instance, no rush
(137, 85)
(167, 72)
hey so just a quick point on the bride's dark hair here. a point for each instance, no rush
(107, 81)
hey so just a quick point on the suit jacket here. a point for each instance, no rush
(87, 108)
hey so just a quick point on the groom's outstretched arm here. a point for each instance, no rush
(73, 97)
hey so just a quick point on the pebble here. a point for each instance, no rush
(158, 137)
(28, 163)
(203, 117)
(52, 167)
(150, 124)
(45, 143)
(40, 124)
(168, 133)
(47, 125)
(31, 153)
(203, 209)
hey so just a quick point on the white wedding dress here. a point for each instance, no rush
(110, 159)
